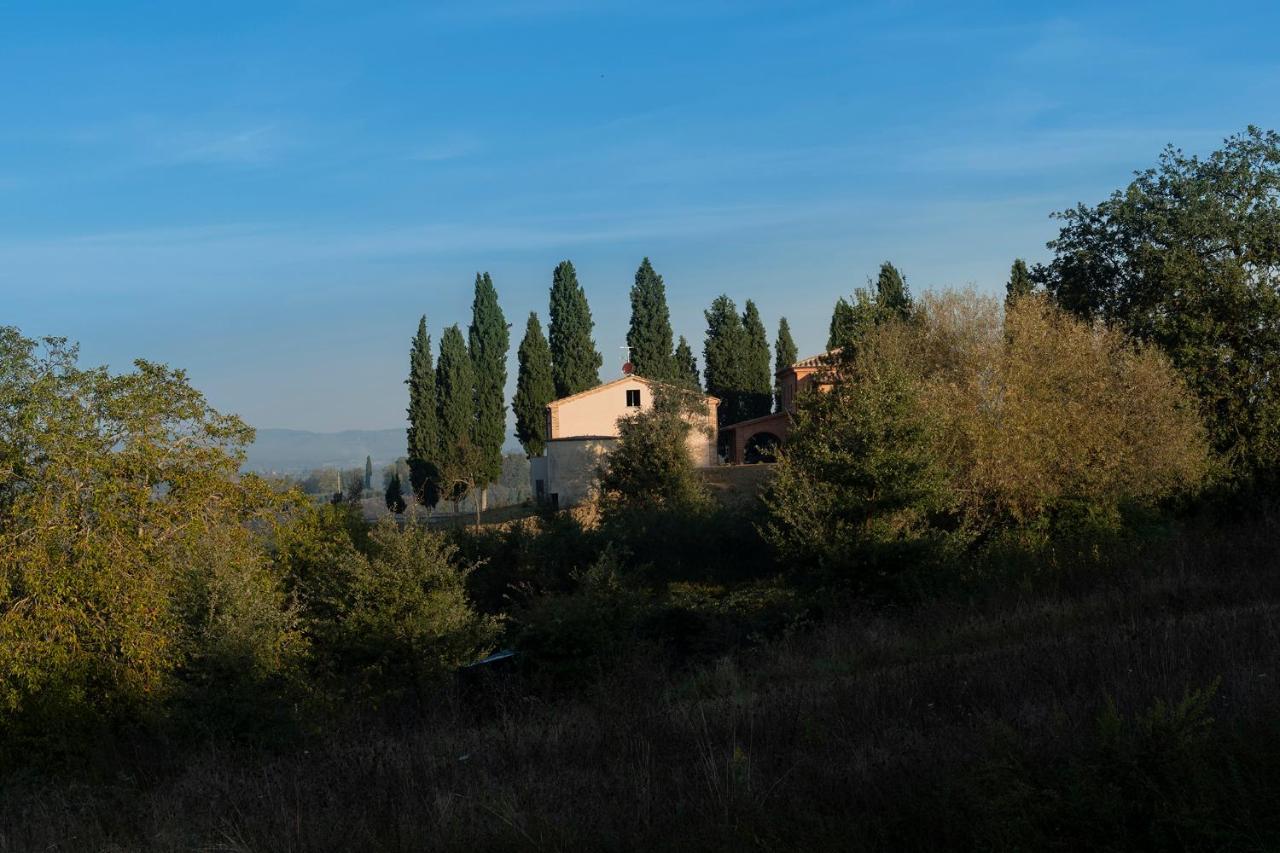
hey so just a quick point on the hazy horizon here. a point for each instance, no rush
(270, 197)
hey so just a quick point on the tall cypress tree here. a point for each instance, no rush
(686, 367)
(892, 293)
(394, 495)
(1019, 284)
(843, 321)
(368, 473)
(534, 388)
(725, 356)
(649, 335)
(575, 363)
(455, 407)
(784, 355)
(758, 379)
(424, 427)
(489, 338)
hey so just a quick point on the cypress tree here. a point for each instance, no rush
(686, 367)
(1019, 284)
(534, 388)
(489, 338)
(725, 356)
(758, 381)
(368, 473)
(784, 356)
(575, 364)
(394, 495)
(424, 427)
(649, 335)
(455, 407)
(843, 322)
(892, 293)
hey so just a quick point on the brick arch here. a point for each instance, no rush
(761, 446)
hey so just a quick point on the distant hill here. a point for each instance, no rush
(295, 451)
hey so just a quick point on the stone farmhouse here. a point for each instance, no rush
(583, 428)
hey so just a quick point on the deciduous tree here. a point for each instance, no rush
(1187, 257)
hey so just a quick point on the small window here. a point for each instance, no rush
(633, 398)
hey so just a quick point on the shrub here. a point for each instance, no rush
(959, 423)
(389, 618)
(650, 468)
(568, 636)
(859, 480)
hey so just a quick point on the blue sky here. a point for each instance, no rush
(269, 194)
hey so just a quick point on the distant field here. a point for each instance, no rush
(291, 451)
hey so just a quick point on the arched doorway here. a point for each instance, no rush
(761, 447)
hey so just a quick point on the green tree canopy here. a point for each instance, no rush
(1019, 284)
(686, 366)
(575, 363)
(489, 340)
(649, 335)
(885, 300)
(1188, 257)
(394, 495)
(651, 467)
(130, 566)
(455, 396)
(424, 427)
(962, 423)
(784, 356)
(843, 325)
(759, 378)
(726, 358)
(534, 388)
(892, 294)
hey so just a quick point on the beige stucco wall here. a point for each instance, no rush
(571, 467)
(597, 413)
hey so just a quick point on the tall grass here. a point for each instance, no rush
(1130, 710)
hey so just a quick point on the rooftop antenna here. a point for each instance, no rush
(627, 367)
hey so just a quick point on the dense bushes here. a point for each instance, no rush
(959, 424)
(142, 578)
(128, 564)
(388, 619)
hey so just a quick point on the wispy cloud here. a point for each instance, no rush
(238, 146)
(1044, 151)
(151, 140)
(248, 251)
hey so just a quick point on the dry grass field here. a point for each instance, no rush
(1131, 711)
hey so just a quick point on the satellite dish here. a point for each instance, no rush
(628, 368)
